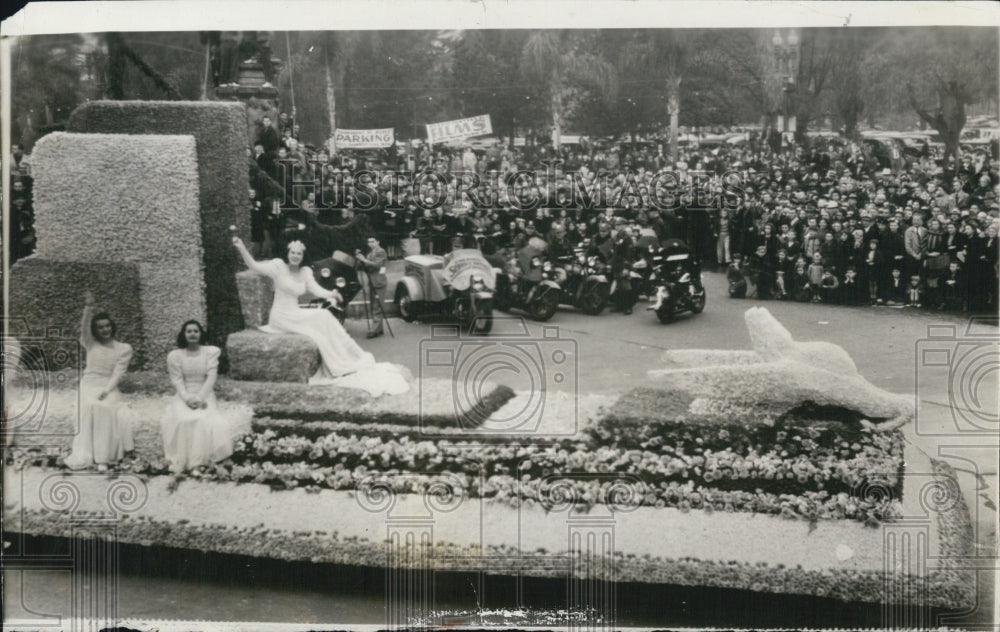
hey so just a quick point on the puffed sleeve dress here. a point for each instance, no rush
(201, 436)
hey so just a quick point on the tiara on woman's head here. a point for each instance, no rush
(295, 243)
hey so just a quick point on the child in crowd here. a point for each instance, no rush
(873, 270)
(784, 265)
(952, 297)
(914, 291)
(737, 280)
(800, 289)
(815, 273)
(829, 285)
(780, 293)
(895, 293)
(761, 272)
(849, 289)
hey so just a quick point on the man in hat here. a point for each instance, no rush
(868, 225)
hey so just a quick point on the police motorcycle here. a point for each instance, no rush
(678, 282)
(642, 272)
(339, 273)
(528, 282)
(582, 280)
(460, 285)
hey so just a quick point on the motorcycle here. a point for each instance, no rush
(338, 272)
(528, 282)
(678, 282)
(582, 281)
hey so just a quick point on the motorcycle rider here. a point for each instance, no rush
(559, 245)
(622, 257)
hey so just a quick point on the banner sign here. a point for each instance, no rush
(459, 129)
(363, 138)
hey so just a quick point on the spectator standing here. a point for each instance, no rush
(935, 262)
(874, 272)
(267, 136)
(983, 254)
(913, 244)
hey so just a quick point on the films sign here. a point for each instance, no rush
(459, 129)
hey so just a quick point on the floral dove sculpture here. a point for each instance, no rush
(780, 375)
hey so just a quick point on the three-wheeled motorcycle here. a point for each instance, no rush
(678, 281)
(528, 282)
(459, 285)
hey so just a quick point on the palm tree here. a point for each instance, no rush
(663, 55)
(557, 59)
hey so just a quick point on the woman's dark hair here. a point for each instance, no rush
(102, 316)
(182, 339)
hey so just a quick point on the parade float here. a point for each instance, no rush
(776, 470)
(776, 482)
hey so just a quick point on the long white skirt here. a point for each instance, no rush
(345, 363)
(104, 434)
(192, 438)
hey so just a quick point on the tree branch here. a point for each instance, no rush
(934, 121)
(146, 69)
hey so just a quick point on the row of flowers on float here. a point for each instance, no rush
(880, 459)
(562, 491)
(795, 437)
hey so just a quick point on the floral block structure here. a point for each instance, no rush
(117, 215)
(220, 133)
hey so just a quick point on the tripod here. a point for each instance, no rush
(369, 316)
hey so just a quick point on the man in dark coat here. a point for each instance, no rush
(374, 266)
(268, 137)
(622, 257)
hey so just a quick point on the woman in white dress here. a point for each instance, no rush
(194, 433)
(104, 435)
(344, 362)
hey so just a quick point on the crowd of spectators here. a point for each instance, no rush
(827, 222)
(22, 215)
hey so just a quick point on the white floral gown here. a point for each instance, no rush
(345, 363)
(104, 434)
(194, 437)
